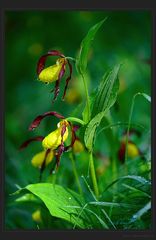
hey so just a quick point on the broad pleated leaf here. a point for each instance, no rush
(107, 91)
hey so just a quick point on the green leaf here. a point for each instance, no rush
(56, 198)
(141, 212)
(139, 179)
(107, 91)
(81, 61)
(90, 131)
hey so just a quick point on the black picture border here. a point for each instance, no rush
(78, 5)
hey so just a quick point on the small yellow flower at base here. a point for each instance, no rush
(36, 216)
(78, 146)
(132, 150)
(53, 140)
(38, 159)
(51, 74)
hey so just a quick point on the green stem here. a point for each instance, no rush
(70, 58)
(93, 175)
(87, 97)
(71, 155)
(73, 119)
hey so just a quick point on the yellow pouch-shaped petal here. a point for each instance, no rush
(132, 150)
(51, 74)
(38, 159)
(53, 140)
(36, 216)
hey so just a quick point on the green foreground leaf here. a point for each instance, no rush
(56, 198)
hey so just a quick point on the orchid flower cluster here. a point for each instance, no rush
(53, 145)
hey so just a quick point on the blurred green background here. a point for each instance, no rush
(125, 37)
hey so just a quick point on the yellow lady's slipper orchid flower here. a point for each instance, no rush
(132, 150)
(53, 143)
(55, 72)
(36, 216)
(54, 139)
(51, 74)
(38, 159)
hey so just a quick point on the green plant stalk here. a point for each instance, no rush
(73, 119)
(91, 161)
(93, 175)
(129, 124)
(87, 96)
(71, 155)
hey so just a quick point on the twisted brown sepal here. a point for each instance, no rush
(61, 146)
(26, 143)
(122, 151)
(56, 88)
(42, 60)
(39, 118)
(68, 79)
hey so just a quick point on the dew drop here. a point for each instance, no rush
(134, 217)
(69, 198)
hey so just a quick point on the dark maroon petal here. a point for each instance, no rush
(55, 53)
(75, 127)
(26, 143)
(61, 147)
(42, 60)
(44, 163)
(41, 63)
(57, 89)
(38, 119)
(67, 80)
(121, 152)
(59, 153)
(57, 160)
